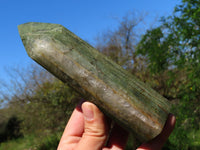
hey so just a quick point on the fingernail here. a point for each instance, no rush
(173, 119)
(88, 112)
(78, 107)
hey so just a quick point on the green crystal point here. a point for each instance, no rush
(118, 93)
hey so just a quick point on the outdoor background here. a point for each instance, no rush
(157, 41)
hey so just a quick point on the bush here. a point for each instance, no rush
(49, 143)
(11, 129)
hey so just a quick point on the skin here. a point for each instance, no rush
(88, 129)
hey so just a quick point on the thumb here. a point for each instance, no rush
(95, 128)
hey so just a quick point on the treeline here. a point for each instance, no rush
(41, 104)
(165, 57)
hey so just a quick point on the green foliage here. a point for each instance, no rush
(18, 144)
(156, 49)
(49, 143)
(13, 128)
(10, 129)
(173, 48)
(23, 143)
(44, 103)
(55, 102)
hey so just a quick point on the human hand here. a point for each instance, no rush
(88, 129)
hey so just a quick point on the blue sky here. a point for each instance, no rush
(86, 18)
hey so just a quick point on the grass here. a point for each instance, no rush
(49, 142)
(26, 143)
(32, 142)
(195, 138)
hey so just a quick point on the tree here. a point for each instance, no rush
(42, 102)
(173, 52)
(120, 44)
(10, 129)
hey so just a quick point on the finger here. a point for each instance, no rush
(168, 128)
(95, 128)
(118, 138)
(73, 131)
(159, 141)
